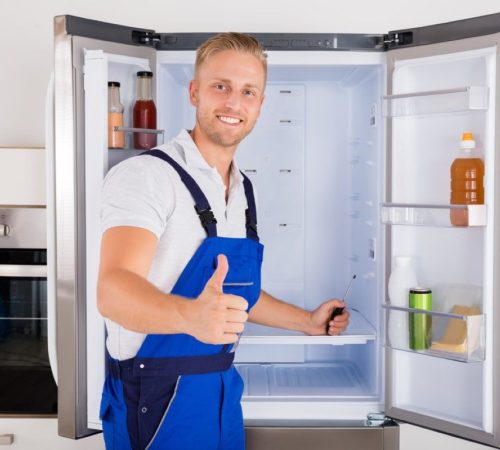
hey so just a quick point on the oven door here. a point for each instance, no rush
(26, 382)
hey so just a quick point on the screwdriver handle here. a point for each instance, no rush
(336, 312)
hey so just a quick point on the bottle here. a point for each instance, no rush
(420, 324)
(401, 280)
(116, 139)
(144, 111)
(467, 174)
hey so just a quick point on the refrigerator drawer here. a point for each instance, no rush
(344, 436)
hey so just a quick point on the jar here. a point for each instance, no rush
(116, 139)
(144, 112)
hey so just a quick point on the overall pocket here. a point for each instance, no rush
(156, 397)
(240, 279)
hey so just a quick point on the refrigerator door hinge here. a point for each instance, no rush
(149, 38)
(378, 420)
(395, 40)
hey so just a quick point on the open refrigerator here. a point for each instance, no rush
(350, 159)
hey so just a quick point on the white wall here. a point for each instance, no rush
(26, 35)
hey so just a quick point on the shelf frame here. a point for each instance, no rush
(459, 99)
(421, 214)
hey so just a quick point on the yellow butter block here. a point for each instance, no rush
(455, 336)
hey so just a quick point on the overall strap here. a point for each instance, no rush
(201, 206)
(251, 211)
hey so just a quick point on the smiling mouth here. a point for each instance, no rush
(229, 120)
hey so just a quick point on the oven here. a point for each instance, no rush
(27, 384)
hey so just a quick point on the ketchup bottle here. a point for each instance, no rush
(144, 112)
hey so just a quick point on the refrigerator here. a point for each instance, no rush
(351, 162)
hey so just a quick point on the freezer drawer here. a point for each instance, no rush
(348, 435)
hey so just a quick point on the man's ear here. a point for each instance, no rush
(193, 92)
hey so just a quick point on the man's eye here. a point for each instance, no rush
(250, 93)
(220, 87)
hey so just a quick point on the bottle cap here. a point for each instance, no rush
(145, 73)
(113, 83)
(467, 142)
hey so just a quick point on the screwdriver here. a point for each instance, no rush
(338, 311)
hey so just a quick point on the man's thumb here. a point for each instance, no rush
(220, 273)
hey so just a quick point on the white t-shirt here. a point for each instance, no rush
(146, 192)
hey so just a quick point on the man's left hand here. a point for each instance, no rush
(320, 319)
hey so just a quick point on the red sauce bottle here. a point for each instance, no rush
(144, 112)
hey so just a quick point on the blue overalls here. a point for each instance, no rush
(178, 393)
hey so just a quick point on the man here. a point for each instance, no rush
(180, 269)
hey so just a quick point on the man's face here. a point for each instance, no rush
(228, 93)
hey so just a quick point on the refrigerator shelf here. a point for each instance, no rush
(359, 331)
(298, 380)
(139, 130)
(456, 335)
(468, 98)
(433, 215)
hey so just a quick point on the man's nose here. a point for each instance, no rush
(232, 100)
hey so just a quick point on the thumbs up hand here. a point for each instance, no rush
(217, 318)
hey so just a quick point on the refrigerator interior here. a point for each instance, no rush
(452, 261)
(315, 158)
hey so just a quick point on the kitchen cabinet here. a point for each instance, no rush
(22, 176)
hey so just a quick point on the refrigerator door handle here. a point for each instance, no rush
(51, 239)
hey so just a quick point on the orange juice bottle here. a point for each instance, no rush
(467, 174)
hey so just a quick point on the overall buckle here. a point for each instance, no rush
(206, 215)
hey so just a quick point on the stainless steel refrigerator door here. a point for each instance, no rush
(490, 433)
(70, 212)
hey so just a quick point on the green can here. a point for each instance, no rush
(420, 324)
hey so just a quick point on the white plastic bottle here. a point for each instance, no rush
(402, 278)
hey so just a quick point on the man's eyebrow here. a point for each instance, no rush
(226, 80)
(252, 86)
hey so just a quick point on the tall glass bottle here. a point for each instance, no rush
(144, 112)
(116, 139)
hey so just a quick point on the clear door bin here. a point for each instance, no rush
(457, 335)
(468, 98)
(433, 215)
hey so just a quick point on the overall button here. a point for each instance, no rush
(144, 409)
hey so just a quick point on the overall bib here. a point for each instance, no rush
(178, 393)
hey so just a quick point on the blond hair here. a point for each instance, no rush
(240, 42)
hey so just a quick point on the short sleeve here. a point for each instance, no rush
(138, 192)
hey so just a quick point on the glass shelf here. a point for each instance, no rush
(433, 215)
(468, 98)
(139, 130)
(359, 331)
(457, 335)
